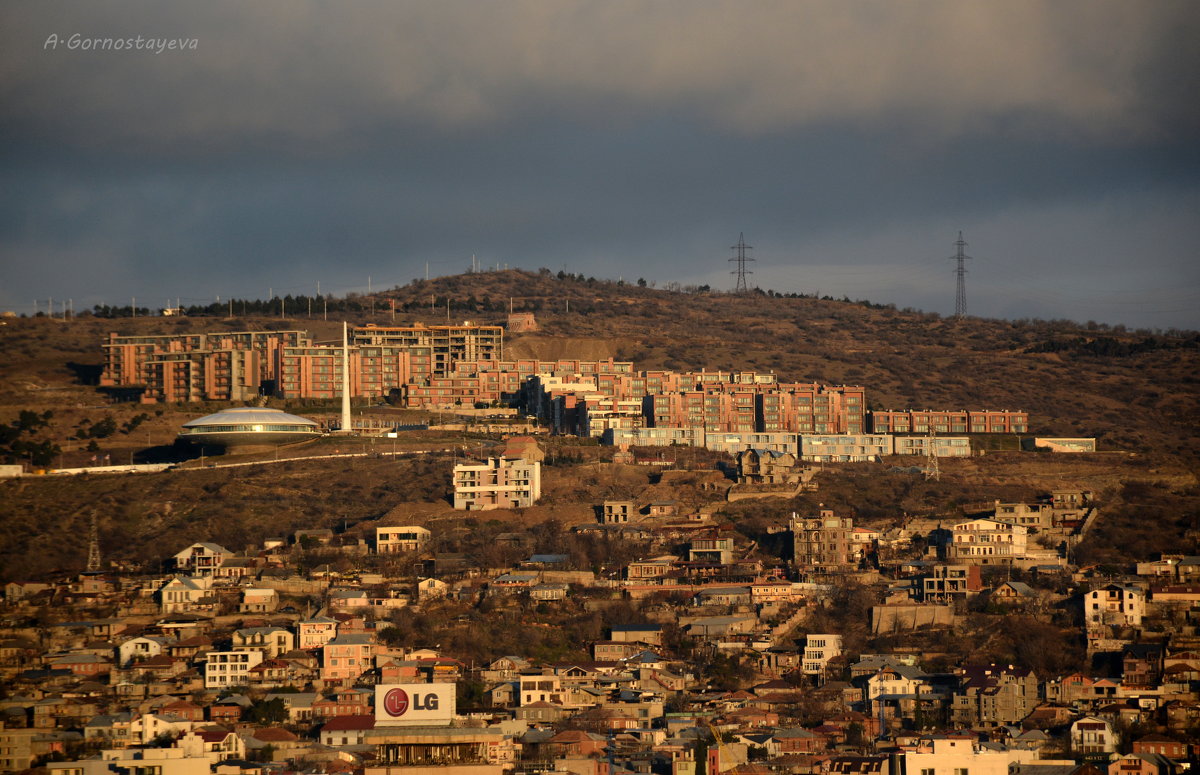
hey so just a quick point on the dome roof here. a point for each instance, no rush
(249, 415)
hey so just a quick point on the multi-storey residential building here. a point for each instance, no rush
(733, 443)
(819, 650)
(391, 540)
(1114, 604)
(941, 446)
(990, 695)
(271, 641)
(1091, 735)
(315, 371)
(822, 543)
(811, 408)
(499, 483)
(316, 631)
(229, 668)
(654, 437)
(987, 542)
(346, 657)
(711, 547)
(202, 558)
(951, 583)
(1034, 516)
(596, 414)
(445, 345)
(843, 448)
(955, 421)
(950, 754)
(230, 366)
(714, 410)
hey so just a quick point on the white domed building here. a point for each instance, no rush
(249, 426)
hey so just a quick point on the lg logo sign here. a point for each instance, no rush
(396, 702)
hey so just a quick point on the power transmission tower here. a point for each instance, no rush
(93, 562)
(741, 258)
(960, 298)
(934, 470)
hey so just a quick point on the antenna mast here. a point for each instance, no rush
(960, 298)
(740, 259)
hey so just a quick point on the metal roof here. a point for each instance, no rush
(249, 415)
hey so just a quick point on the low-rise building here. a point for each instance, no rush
(393, 540)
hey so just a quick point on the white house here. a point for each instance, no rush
(202, 558)
(140, 648)
(229, 668)
(1091, 735)
(394, 540)
(819, 649)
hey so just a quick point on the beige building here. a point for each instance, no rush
(988, 542)
(844, 447)
(497, 484)
(961, 754)
(1114, 604)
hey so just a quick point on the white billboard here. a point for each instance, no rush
(414, 704)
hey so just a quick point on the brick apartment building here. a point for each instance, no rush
(447, 345)
(241, 365)
(957, 421)
(196, 367)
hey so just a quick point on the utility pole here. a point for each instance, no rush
(740, 259)
(960, 297)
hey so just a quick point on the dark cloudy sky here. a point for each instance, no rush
(849, 140)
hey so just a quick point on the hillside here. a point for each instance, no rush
(1135, 391)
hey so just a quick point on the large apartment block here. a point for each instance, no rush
(446, 345)
(958, 421)
(241, 365)
(196, 367)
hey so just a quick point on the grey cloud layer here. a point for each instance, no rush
(850, 140)
(288, 71)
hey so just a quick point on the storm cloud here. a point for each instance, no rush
(850, 141)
